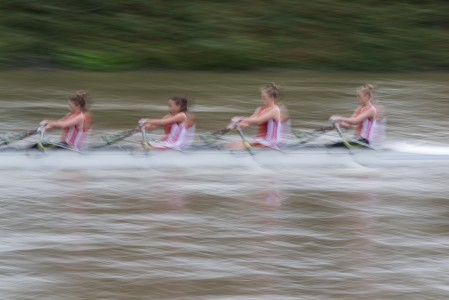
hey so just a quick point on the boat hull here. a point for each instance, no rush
(265, 158)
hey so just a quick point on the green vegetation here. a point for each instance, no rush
(235, 34)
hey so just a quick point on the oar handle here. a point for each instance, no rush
(235, 124)
(336, 123)
(41, 129)
(246, 144)
(142, 129)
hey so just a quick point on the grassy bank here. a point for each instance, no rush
(131, 34)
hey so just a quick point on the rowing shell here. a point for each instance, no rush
(314, 157)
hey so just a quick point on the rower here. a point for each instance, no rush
(178, 124)
(76, 123)
(369, 118)
(267, 117)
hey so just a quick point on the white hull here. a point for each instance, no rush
(299, 158)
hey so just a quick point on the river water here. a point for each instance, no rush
(253, 233)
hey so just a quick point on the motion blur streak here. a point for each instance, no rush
(356, 233)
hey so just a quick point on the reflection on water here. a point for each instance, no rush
(204, 235)
(329, 233)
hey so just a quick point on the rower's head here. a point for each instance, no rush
(365, 94)
(177, 104)
(77, 102)
(270, 94)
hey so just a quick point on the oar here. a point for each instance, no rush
(228, 128)
(344, 140)
(219, 133)
(43, 144)
(314, 134)
(145, 143)
(114, 138)
(8, 139)
(246, 144)
(117, 137)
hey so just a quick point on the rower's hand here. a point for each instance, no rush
(234, 122)
(335, 120)
(242, 125)
(42, 125)
(142, 124)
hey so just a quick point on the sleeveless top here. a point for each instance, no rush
(175, 135)
(371, 129)
(269, 133)
(74, 136)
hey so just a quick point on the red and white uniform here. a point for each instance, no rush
(175, 136)
(74, 136)
(371, 129)
(269, 133)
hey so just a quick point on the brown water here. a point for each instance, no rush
(355, 233)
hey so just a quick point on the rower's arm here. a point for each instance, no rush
(239, 120)
(356, 119)
(65, 123)
(255, 113)
(178, 118)
(257, 120)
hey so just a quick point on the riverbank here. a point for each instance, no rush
(234, 35)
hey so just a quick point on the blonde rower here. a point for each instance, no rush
(369, 118)
(267, 117)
